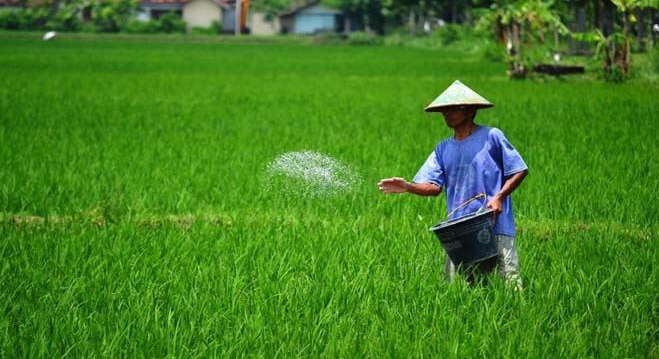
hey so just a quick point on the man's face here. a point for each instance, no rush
(458, 115)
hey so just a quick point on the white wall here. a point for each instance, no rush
(201, 13)
(259, 26)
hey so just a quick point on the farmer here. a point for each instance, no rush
(477, 167)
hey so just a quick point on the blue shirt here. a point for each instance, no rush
(479, 163)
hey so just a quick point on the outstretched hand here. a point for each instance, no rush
(393, 185)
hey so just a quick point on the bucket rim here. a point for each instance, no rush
(460, 219)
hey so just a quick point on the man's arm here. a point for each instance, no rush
(400, 185)
(509, 186)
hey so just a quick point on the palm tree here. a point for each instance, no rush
(515, 20)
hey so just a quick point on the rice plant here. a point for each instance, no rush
(138, 217)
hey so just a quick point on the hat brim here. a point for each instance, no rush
(442, 108)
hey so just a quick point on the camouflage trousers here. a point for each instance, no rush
(506, 261)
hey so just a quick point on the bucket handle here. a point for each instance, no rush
(482, 194)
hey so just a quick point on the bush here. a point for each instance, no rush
(394, 39)
(112, 16)
(168, 23)
(492, 51)
(458, 37)
(449, 34)
(171, 23)
(29, 19)
(88, 27)
(63, 24)
(105, 17)
(9, 20)
(615, 75)
(328, 38)
(142, 27)
(66, 19)
(360, 38)
(198, 30)
(214, 29)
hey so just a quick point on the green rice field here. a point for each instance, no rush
(137, 221)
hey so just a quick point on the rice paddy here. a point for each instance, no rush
(135, 221)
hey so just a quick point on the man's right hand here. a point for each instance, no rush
(400, 185)
(393, 185)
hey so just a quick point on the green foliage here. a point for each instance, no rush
(63, 24)
(65, 19)
(142, 27)
(134, 220)
(359, 38)
(171, 23)
(25, 19)
(167, 23)
(449, 34)
(492, 51)
(627, 5)
(367, 13)
(615, 74)
(271, 7)
(10, 20)
(537, 16)
(329, 38)
(395, 39)
(107, 16)
(613, 51)
(521, 25)
(461, 38)
(646, 66)
(112, 16)
(214, 29)
(89, 27)
(216, 26)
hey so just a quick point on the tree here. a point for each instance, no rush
(112, 15)
(366, 13)
(519, 24)
(615, 48)
(271, 7)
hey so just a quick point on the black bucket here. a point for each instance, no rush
(469, 239)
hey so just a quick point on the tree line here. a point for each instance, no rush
(611, 28)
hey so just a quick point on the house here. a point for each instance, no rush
(153, 9)
(261, 24)
(10, 5)
(311, 18)
(204, 13)
(198, 13)
(13, 5)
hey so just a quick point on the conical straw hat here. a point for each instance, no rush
(458, 95)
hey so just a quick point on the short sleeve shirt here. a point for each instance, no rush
(477, 164)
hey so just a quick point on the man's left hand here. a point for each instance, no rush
(495, 204)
